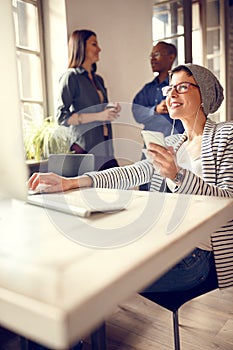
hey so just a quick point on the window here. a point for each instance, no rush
(167, 25)
(196, 28)
(29, 49)
(213, 32)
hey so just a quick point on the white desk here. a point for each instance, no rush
(55, 291)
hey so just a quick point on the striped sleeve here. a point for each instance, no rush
(193, 184)
(123, 177)
(222, 242)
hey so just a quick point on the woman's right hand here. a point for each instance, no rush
(50, 182)
(107, 115)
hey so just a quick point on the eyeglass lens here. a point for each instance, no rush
(180, 88)
(155, 54)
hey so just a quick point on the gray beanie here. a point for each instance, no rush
(210, 88)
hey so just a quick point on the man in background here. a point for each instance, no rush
(149, 105)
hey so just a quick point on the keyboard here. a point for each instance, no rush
(81, 203)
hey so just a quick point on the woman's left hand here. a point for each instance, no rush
(163, 159)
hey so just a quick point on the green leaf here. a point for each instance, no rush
(44, 138)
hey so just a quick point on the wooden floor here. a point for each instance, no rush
(206, 323)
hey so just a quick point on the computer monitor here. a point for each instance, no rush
(13, 170)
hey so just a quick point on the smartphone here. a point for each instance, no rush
(153, 137)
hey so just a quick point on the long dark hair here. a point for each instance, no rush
(77, 46)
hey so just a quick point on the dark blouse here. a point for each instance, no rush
(79, 95)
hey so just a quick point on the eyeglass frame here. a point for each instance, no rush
(157, 54)
(175, 87)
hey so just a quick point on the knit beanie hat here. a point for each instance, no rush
(210, 88)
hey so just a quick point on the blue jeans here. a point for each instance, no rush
(188, 273)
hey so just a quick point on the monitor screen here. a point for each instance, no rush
(13, 170)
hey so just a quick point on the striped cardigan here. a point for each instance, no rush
(217, 169)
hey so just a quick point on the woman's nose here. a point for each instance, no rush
(173, 91)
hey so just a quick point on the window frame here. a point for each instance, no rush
(187, 35)
(40, 53)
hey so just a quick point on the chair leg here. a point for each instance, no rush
(176, 330)
(98, 339)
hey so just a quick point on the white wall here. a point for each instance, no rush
(124, 33)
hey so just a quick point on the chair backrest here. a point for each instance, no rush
(70, 165)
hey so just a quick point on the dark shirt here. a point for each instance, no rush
(79, 95)
(144, 105)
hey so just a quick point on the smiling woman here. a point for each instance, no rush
(83, 100)
(198, 162)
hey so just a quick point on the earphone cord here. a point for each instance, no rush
(196, 117)
(183, 140)
(184, 135)
(173, 122)
(173, 126)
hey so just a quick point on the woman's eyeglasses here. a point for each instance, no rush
(180, 88)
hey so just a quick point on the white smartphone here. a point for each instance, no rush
(153, 137)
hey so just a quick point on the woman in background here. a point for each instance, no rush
(83, 100)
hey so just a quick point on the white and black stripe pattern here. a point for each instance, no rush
(217, 169)
(123, 177)
(222, 242)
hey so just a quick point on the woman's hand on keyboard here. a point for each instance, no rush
(50, 182)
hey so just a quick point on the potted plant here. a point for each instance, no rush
(44, 138)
